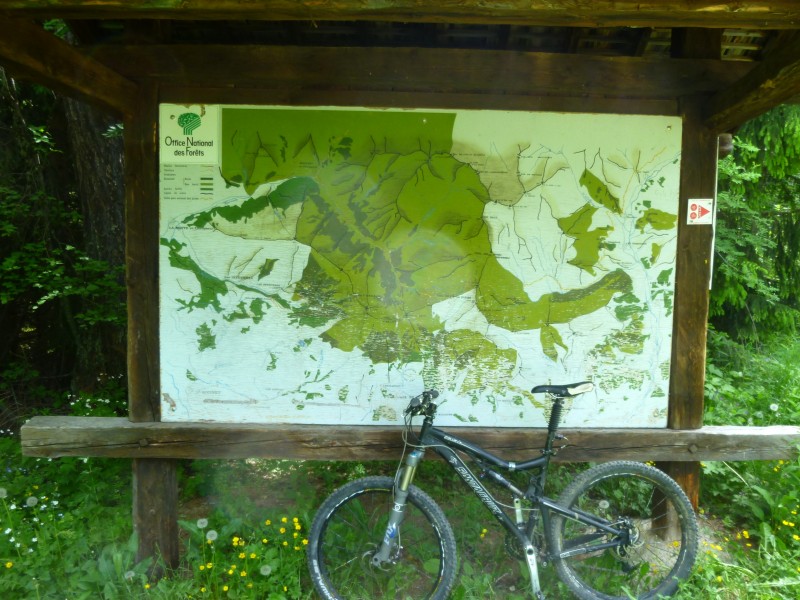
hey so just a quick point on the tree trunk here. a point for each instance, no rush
(98, 163)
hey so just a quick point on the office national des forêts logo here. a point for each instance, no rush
(189, 121)
(194, 143)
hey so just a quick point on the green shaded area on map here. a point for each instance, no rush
(657, 219)
(588, 243)
(395, 224)
(599, 191)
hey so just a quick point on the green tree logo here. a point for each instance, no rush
(189, 122)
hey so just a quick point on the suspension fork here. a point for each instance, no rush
(391, 537)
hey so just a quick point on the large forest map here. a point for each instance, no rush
(322, 265)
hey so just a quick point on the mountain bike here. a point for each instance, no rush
(620, 529)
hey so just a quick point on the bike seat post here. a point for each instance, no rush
(552, 426)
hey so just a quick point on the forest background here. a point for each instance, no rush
(62, 351)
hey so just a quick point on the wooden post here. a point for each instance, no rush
(699, 147)
(692, 283)
(155, 488)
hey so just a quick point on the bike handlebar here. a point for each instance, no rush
(419, 404)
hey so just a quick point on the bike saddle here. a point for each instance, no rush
(565, 391)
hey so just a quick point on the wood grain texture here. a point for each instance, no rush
(399, 99)
(773, 81)
(141, 255)
(495, 73)
(692, 273)
(155, 512)
(30, 52)
(119, 437)
(779, 14)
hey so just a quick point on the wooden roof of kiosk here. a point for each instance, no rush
(715, 64)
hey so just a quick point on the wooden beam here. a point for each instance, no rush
(775, 14)
(30, 52)
(141, 255)
(696, 43)
(692, 273)
(399, 99)
(692, 283)
(155, 512)
(420, 70)
(119, 437)
(775, 80)
(155, 480)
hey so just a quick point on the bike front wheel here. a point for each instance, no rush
(349, 528)
(658, 545)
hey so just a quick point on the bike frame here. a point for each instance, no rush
(447, 446)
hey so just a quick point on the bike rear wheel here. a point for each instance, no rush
(660, 523)
(349, 528)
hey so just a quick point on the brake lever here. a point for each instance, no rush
(422, 400)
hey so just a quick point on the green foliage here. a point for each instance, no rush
(49, 535)
(752, 385)
(757, 259)
(777, 133)
(233, 559)
(39, 275)
(758, 500)
(52, 296)
(109, 399)
(58, 305)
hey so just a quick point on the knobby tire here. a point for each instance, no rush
(663, 535)
(348, 529)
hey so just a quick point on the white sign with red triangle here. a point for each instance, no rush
(701, 212)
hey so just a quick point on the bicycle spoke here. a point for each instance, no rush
(659, 541)
(349, 530)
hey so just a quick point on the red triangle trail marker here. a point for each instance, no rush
(701, 212)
